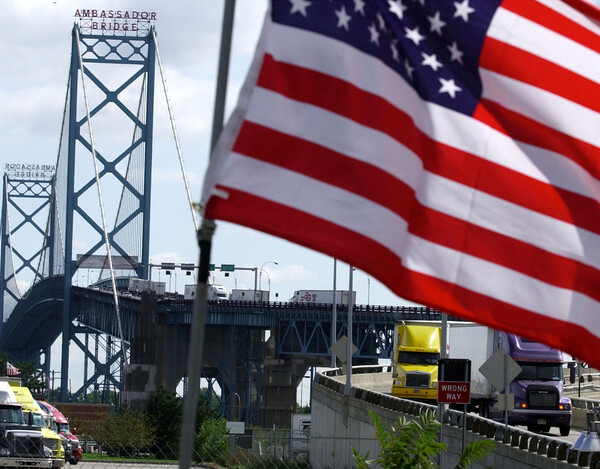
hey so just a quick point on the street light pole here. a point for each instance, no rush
(261, 271)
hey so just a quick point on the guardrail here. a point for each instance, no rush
(525, 440)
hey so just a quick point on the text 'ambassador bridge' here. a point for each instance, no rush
(99, 190)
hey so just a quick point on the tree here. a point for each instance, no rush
(411, 444)
(211, 443)
(165, 411)
(27, 373)
(127, 432)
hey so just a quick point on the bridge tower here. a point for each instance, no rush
(26, 216)
(105, 172)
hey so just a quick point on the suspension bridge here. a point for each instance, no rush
(98, 195)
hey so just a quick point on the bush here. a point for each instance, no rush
(211, 444)
(126, 433)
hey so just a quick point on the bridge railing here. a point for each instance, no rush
(485, 428)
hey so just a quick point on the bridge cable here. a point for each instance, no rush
(53, 194)
(128, 170)
(100, 199)
(185, 180)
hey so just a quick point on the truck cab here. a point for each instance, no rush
(60, 425)
(415, 361)
(538, 389)
(21, 443)
(51, 439)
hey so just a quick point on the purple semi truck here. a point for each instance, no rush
(538, 389)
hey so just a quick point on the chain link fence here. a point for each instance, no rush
(255, 448)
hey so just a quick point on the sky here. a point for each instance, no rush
(35, 43)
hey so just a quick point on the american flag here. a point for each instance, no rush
(447, 148)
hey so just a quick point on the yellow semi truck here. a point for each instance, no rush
(51, 439)
(415, 361)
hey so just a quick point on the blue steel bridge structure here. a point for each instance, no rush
(257, 353)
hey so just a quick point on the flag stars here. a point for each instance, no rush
(463, 10)
(359, 5)
(431, 61)
(455, 53)
(374, 33)
(436, 23)
(450, 87)
(414, 35)
(299, 6)
(343, 18)
(397, 8)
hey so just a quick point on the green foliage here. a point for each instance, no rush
(211, 443)
(473, 452)
(27, 373)
(101, 397)
(126, 433)
(165, 411)
(206, 411)
(302, 409)
(411, 444)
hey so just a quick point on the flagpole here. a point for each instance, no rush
(205, 233)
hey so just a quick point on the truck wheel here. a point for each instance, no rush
(564, 430)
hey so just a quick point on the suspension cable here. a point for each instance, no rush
(100, 199)
(53, 193)
(185, 180)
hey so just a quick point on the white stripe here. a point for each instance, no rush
(540, 105)
(524, 34)
(354, 140)
(569, 12)
(419, 255)
(446, 126)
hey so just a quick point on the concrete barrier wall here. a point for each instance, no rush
(341, 422)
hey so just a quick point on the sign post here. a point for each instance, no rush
(454, 385)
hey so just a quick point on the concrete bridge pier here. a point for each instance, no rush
(158, 355)
(256, 386)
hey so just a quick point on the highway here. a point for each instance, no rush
(587, 392)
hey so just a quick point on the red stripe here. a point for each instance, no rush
(551, 19)
(366, 254)
(528, 68)
(526, 130)
(347, 100)
(585, 7)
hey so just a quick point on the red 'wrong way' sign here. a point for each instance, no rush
(454, 392)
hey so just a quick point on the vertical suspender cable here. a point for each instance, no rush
(185, 181)
(100, 199)
(205, 234)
